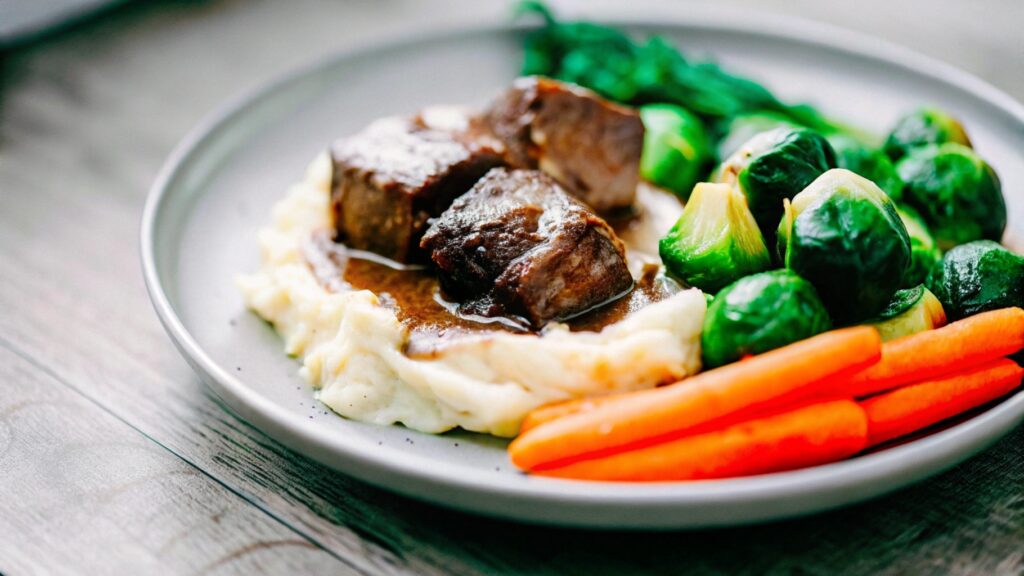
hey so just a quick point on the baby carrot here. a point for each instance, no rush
(806, 436)
(961, 344)
(550, 412)
(920, 405)
(651, 415)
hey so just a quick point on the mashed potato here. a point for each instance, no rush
(351, 346)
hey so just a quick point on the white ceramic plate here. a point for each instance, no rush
(199, 231)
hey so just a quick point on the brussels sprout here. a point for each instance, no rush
(843, 235)
(976, 277)
(715, 240)
(872, 164)
(922, 127)
(910, 311)
(745, 126)
(677, 151)
(923, 251)
(760, 313)
(956, 192)
(774, 166)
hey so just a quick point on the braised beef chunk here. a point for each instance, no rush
(590, 145)
(392, 177)
(518, 245)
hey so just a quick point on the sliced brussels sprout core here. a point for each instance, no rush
(843, 235)
(784, 230)
(871, 163)
(977, 277)
(910, 311)
(677, 151)
(759, 313)
(923, 251)
(956, 193)
(774, 166)
(923, 127)
(715, 241)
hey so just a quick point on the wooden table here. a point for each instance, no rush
(115, 459)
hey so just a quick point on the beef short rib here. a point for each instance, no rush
(517, 245)
(389, 179)
(590, 145)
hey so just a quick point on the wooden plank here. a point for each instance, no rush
(84, 492)
(78, 151)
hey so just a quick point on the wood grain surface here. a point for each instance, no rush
(115, 459)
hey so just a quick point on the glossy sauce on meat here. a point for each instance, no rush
(414, 294)
(518, 244)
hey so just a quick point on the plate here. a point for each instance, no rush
(216, 190)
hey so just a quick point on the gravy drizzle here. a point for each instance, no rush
(413, 292)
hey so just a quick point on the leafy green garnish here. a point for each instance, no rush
(612, 64)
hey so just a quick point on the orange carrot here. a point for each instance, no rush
(652, 415)
(918, 406)
(969, 342)
(807, 436)
(556, 410)
(550, 412)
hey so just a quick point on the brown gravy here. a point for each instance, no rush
(414, 294)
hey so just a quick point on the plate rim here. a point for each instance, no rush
(765, 497)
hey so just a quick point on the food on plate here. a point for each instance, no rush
(922, 127)
(590, 145)
(518, 246)
(759, 313)
(843, 235)
(716, 240)
(976, 277)
(955, 346)
(924, 252)
(910, 311)
(391, 178)
(907, 410)
(857, 157)
(784, 440)
(677, 150)
(956, 193)
(530, 268)
(774, 166)
(710, 398)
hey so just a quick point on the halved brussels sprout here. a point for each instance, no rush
(843, 235)
(677, 150)
(910, 311)
(715, 240)
(745, 126)
(760, 313)
(923, 251)
(956, 192)
(922, 127)
(859, 158)
(774, 166)
(977, 277)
